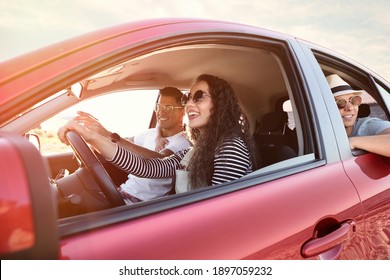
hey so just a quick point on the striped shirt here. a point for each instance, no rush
(231, 161)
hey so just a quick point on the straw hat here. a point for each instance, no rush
(340, 87)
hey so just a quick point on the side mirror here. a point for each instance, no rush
(28, 216)
(33, 139)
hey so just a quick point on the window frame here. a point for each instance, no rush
(357, 77)
(312, 156)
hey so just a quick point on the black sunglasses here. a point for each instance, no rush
(354, 100)
(197, 97)
(166, 108)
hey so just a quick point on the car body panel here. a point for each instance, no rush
(29, 226)
(17, 231)
(178, 235)
(371, 176)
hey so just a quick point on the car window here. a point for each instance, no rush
(382, 114)
(270, 91)
(112, 110)
(373, 103)
(371, 108)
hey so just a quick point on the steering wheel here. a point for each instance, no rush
(84, 153)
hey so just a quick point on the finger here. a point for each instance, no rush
(61, 135)
(84, 119)
(91, 126)
(79, 128)
(81, 113)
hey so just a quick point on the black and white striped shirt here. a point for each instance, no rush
(231, 161)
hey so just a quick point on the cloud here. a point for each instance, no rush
(356, 28)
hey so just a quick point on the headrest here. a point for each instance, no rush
(274, 121)
(364, 110)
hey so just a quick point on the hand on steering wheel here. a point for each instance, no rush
(84, 153)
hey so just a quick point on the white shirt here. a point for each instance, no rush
(145, 188)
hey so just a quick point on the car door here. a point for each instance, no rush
(273, 220)
(304, 207)
(370, 173)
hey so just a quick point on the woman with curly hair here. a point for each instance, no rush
(222, 149)
(217, 123)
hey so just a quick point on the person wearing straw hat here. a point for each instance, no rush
(369, 134)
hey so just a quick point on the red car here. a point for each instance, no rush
(319, 201)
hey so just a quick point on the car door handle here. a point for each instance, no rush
(317, 246)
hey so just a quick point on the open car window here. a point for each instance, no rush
(374, 92)
(374, 98)
(127, 113)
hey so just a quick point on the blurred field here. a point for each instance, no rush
(50, 144)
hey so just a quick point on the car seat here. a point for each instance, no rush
(364, 110)
(274, 139)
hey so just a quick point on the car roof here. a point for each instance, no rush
(33, 59)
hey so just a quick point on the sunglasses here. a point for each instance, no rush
(197, 97)
(165, 108)
(354, 100)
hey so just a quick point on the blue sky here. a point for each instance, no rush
(359, 29)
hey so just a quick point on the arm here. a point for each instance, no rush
(124, 159)
(147, 167)
(378, 144)
(103, 145)
(144, 152)
(231, 162)
(93, 124)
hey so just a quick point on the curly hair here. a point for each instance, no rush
(226, 119)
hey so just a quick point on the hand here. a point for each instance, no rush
(161, 142)
(352, 142)
(85, 132)
(92, 123)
